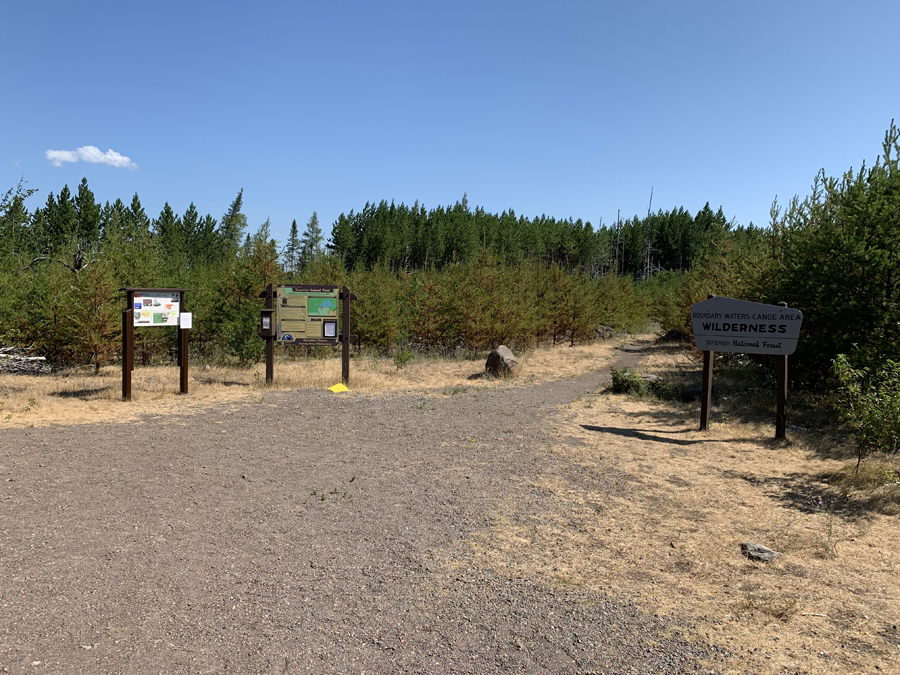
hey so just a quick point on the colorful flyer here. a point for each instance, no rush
(156, 309)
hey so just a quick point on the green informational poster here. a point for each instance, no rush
(307, 314)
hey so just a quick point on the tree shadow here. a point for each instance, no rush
(222, 382)
(84, 394)
(644, 436)
(810, 494)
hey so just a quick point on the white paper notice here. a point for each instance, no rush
(185, 320)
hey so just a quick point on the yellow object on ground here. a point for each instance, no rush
(338, 388)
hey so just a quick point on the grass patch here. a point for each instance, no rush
(80, 396)
(875, 481)
(782, 608)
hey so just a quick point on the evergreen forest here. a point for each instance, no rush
(455, 277)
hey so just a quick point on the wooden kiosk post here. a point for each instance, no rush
(148, 307)
(267, 331)
(346, 337)
(127, 347)
(706, 385)
(305, 315)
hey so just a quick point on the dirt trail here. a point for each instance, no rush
(305, 532)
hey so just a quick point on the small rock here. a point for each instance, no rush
(605, 332)
(758, 552)
(696, 393)
(672, 336)
(501, 362)
(691, 394)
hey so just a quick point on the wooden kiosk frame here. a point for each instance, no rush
(128, 338)
(268, 328)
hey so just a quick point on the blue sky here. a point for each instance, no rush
(567, 108)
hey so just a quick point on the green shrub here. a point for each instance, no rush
(402, 357)
(630, 382)
(626, 382)
(869, 400)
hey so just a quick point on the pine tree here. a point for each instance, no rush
(292, 251)
(62, 218)
(88, 215)
(233, 225)
(190, 221)
(205, 242)
(311, 242)
(167, 228)
(138, 223)
(15, 235)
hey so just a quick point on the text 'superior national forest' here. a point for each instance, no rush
(456, 277)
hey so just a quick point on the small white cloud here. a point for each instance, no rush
(91, 154)
(57, 157)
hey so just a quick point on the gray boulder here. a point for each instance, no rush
(672, 336)
(758, 552)
(696, 393)
(501, 362)
(605, 332)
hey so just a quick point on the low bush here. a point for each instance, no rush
(630, 382)
(402, 357)
(869, 400)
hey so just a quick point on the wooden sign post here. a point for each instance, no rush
(781, 384)
(306, 314)
(729, 325)
(154, 307)
(346, 337)
(706, 389)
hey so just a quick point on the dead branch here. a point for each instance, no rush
(15, 360)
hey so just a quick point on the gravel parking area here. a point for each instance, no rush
(304, 532)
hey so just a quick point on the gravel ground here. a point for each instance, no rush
(303, 533)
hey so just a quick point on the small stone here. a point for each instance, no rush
(605, 332)
(758, 552)
(672, 336)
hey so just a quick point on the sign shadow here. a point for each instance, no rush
(644, 436)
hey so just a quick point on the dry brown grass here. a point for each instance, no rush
(668, 532)
(81, 396)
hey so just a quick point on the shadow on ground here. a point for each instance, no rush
(812, 493)
(85, 394)
(644, 436)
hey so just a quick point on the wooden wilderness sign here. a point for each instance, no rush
(729, 325)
